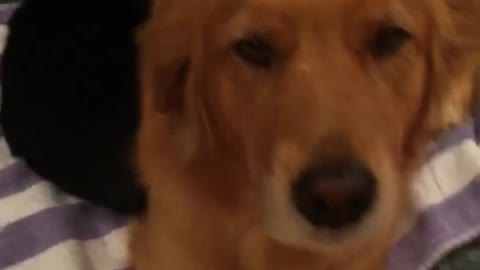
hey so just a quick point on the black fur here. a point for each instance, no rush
(69, 96)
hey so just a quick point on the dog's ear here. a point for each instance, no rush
(171, 74)
(165, 47)
(169, 88)
(163, 71)
(454, 60)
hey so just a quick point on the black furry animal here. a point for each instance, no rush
(69, 96)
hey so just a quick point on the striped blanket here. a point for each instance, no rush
(42, 229)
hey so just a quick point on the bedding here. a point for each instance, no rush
(42, 229)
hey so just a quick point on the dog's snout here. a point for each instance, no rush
(335, 196)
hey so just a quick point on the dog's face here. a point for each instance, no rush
(312, 116)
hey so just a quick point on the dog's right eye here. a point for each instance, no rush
(255, 51)
(388, 41)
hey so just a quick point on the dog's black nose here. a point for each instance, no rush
(334, 196)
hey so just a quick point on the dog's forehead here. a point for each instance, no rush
(349, 17)
(305, 6)
(325, 10)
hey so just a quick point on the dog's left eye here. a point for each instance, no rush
(255, 51)
(388, 40)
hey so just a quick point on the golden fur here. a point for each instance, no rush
(220, 141)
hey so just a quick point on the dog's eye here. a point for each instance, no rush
(388, 41)
(255, 51)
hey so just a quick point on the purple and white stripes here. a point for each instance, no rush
(35, 217)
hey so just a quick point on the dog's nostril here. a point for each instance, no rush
(334, 196)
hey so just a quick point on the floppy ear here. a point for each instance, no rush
(163, 67)
(166, 45)
(170, 67)
(455, 58)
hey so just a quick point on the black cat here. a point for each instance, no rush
(70, 105)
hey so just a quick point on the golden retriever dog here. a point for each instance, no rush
(282, 135)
